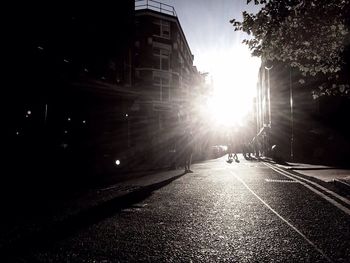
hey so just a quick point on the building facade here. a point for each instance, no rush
(164, 75)
(302, 128)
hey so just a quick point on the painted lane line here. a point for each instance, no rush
(330, 200)
(343, 199)
(283, 219)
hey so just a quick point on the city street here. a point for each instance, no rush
(176, 131)
(238, 212)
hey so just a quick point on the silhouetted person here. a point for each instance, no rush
(188, 151)
(230, 156)
(255, 144)
(246, 151)
(249, 150)
(234, 147)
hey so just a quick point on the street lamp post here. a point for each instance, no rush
(291, 114)
(267, 143)
(268, 92)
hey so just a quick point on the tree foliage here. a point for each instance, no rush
(310, 35)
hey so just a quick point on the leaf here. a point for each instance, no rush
(309, 35)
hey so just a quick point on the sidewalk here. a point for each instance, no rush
(327, 174)
(89, 204)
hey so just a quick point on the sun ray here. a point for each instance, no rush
(234, 85)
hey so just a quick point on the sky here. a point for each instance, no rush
(206, 25)
(218, 49)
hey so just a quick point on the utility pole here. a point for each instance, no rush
(291, 114)
(267, 137)
(268, 92)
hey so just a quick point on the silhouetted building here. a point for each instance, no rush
(69, 72)
(164, 75)
(303, 128)
(92, 84)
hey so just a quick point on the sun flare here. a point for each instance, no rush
(234, 84)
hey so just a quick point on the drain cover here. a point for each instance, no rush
(280, 181)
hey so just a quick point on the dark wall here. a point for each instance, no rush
(50, 45)
(320, 128)
(65, 39)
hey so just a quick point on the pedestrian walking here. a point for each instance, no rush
(256, 147)
(234, 147)
(188, 152)
(230, 156)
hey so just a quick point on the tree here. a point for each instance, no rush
(309, 35)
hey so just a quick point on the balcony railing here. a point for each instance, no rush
(155, 6)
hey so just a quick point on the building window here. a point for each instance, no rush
(163, 85)
(162, 29)
(161, 58)
(180, 60)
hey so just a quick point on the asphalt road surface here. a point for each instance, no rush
(238, 212)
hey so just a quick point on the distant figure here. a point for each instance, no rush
(232, 149)
(188, 152)
(247, 150)
(229, 150)
(230, 156)
(256, 147)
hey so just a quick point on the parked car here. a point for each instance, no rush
(218, 150)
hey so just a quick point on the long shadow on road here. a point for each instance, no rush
(45, 237)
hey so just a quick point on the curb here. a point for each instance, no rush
(342, 184)
(339, 186)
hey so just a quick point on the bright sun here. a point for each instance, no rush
(234, 79)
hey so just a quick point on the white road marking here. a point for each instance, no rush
(283, 219)
(300, 180)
